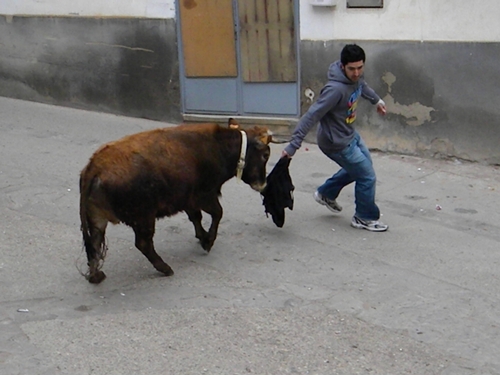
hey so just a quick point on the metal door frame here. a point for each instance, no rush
(234, 107)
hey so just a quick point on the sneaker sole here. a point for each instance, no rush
(332, 209)
(324, 204)
(361, 226)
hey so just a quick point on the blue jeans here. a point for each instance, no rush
(357, 166)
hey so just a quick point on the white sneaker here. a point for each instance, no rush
(371, 225)
(331, 204)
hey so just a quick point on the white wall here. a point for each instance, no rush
(413, 20)
(105, 8)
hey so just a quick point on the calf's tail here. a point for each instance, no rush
(93, 238)
(85, 185)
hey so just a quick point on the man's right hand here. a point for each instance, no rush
(381, 109)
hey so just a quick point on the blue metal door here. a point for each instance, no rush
(239, 57)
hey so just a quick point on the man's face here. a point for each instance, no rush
(354, 70)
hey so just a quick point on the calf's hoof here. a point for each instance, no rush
(165, 269)
(207, 244)
(97, 277)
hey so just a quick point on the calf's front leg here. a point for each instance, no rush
(214, 209)
(200, 233)
(144, 233)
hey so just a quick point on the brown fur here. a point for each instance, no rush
(158, 173)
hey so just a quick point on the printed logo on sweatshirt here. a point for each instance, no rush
(352, 105)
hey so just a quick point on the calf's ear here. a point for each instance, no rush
(264, 135)
(267, 137)
(261, 133)
(232, 124)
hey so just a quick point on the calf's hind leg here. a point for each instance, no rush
(95, 247)
(144, 233)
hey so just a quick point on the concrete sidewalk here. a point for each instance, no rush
(313, 297)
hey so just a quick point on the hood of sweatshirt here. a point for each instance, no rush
(335, 73)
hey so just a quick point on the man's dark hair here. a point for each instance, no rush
(352, 53)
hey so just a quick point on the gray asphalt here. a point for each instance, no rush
(313, 297)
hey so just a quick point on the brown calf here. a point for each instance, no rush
(158, 173)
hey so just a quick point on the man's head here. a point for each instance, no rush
(352, 58)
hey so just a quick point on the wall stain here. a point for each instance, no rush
(120, 46)
(416, 113)
(442, 146)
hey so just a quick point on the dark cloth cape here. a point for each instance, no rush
(278, 193)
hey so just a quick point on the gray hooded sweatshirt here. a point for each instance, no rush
(335, 110)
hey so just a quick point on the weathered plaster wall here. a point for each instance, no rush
(442, 98)
(433, 62)
(119, 65)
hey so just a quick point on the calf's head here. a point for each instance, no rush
(254, 172)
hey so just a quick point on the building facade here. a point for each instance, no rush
(433, 62)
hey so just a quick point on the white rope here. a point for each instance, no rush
(243, 153)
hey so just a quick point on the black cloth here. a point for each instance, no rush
(278, 193)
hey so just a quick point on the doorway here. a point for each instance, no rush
(239, 57)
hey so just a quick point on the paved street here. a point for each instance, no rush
(313, 297)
